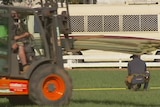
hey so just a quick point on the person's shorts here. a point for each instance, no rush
(20, 43)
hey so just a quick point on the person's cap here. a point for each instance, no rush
(134, 56)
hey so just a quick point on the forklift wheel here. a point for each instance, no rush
(50, 86)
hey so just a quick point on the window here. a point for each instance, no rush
(3, 41)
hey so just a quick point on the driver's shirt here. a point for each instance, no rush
(19, 29)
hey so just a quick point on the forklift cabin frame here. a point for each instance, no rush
(13, 68)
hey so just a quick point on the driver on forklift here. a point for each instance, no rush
(20, 36)
(137, 67)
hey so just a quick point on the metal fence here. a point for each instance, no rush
(114, 23)
(75, 61)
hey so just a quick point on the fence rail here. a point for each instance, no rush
(75, 61)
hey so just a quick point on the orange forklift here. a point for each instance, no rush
(46, 82)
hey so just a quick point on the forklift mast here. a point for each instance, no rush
(58, 24)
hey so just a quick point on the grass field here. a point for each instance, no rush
(93, 89)
(106, 88)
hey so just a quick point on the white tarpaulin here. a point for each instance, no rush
(126, 1)
(111, 1)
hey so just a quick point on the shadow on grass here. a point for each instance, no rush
(4, 102)
(7, 104)
(17, 105)
(110, 102)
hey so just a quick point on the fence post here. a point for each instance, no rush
(69, 63)
(120, 64)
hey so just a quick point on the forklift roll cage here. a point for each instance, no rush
(12, 61)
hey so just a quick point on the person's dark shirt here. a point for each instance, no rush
(19, 29)
(136, 66)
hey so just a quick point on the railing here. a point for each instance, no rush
(138, 2)
(75, 61)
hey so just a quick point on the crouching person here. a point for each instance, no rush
(137, 74)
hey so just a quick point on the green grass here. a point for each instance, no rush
(111, 78)
(119, 98)
(108, 78)
(99, 78)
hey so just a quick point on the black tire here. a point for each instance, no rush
(50, 85)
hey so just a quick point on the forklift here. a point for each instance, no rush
(46, 82)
